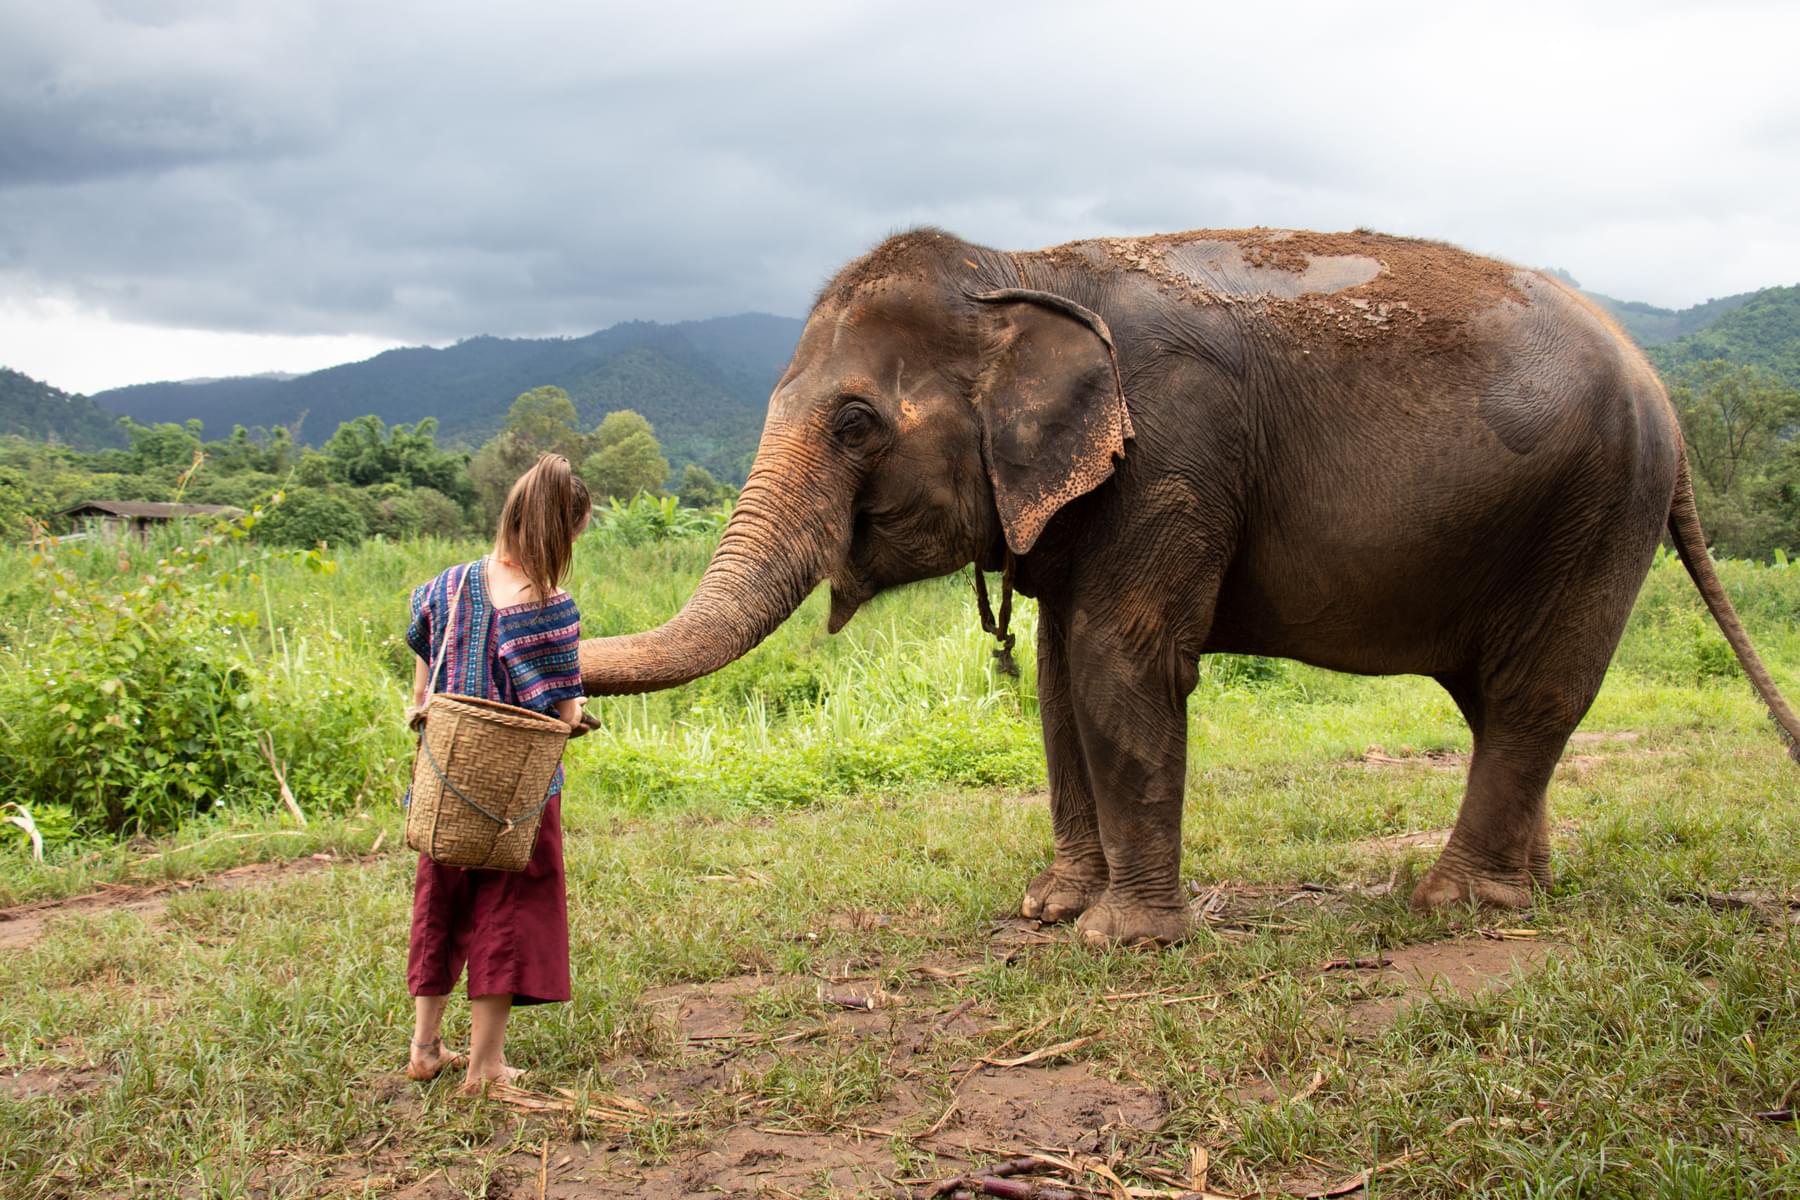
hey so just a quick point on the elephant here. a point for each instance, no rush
(1374, 454)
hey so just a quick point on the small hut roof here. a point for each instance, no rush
(154, 509)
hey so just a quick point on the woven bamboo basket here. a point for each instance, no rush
(481, 778)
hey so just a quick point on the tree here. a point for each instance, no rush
(313, 470)
(699, 489)
(540, 421)
(1746, 475)
(615, 427)
(423, 465)
(365, 453)
(238, 453)
(439, 516)
(359, 453)
(278, 452)
(544, 419)
(627, 460)
(308, 516)
(164, 445)
(1732, 418)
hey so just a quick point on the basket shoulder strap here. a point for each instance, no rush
(437, 668)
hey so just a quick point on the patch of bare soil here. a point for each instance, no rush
(1437, 760)
(708, 1011)
(23, 925)
(1461, 968)
(435, 1186)
(1419, 839)
(1585, 750)
(1042, 1102)
(35, 1083)
(1061, 1106)
(741, 1161)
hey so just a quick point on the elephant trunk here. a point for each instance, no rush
(777, 546)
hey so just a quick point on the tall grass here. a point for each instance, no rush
(906, 697)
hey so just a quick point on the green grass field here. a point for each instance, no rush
(851, 819)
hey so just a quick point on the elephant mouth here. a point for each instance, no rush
(853, 582)
(848, 593)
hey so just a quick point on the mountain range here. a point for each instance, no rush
(704, 385)
(33, 409)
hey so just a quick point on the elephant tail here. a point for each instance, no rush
(1690, 544)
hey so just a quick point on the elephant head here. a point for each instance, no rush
(930, 415)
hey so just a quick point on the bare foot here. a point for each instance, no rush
(430, 1060)
(475, 1085)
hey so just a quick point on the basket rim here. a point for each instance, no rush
(550, 724)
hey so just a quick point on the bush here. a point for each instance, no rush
(307, 517)
(244, 490)
(144, 703)
(644, 519)
(439, 515)
(392, 513)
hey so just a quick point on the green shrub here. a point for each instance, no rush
(308, 516)
(1245, 670)
(140, 700)
(133, 705)
(439, 515)
(391, 512)
(644, 519)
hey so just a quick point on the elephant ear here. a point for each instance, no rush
(1052, 407)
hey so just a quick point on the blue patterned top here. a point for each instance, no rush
(526, 655)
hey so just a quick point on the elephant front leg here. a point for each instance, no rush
(1132, 715)
(1077, 877)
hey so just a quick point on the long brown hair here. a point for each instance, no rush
(542, 515)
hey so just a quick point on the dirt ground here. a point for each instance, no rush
(999, 1106)
(1066, 1110)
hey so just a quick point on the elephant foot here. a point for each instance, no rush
(1448, 885)
(1117, 921)
(1063, 891)
(1539, 866)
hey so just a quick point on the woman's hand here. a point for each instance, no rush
(584, 723)
(415, 712)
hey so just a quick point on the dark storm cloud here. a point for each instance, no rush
(431, 171)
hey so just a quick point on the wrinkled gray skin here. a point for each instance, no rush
(1371, 454)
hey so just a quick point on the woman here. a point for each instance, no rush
(513, 637)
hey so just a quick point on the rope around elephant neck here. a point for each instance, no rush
(1003, 655)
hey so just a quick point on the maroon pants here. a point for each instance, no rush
(511, 928)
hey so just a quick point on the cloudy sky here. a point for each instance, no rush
(206, 187)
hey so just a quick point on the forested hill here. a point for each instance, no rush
(1763, 331)
(1652, 326)
(704, 385)
(42, 413)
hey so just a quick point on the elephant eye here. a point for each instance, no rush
(854, 423)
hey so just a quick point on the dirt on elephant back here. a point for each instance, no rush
(1423, 288)
(1420, 289)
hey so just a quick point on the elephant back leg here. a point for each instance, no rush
(1077, 876)
(1530, 688)
(1499, 849)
